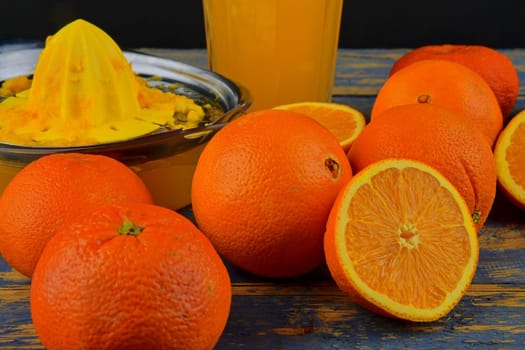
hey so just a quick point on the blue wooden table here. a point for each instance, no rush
(310, 312)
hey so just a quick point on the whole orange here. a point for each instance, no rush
(447, 84)
(130, 276)
(53, 190)
(262, 190)
(440, 138)
(494, 66)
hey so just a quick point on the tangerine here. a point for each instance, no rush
(447, 84)
(130, 276)
(494, 66)
(53, 190)
(262, 190)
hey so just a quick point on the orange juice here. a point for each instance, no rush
(283, 51)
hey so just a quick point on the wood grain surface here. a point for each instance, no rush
(310, 312)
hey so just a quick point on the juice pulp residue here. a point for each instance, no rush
(84, 91)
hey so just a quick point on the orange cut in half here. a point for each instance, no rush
(343, 121)
(509, 153)
(401, 242)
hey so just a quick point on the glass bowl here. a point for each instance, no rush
(165, 160)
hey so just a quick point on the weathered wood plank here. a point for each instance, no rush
(298, 314)
(314, 321)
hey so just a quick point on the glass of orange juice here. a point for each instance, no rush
(283, 51)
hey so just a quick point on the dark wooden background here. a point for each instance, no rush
(365, 24)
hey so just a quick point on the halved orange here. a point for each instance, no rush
(401, 242)
(509, 153)
(343, 121)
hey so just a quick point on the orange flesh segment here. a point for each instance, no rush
(510, 159)
(409, 244)
(330, 118)
(515, 155)
(343, 121)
